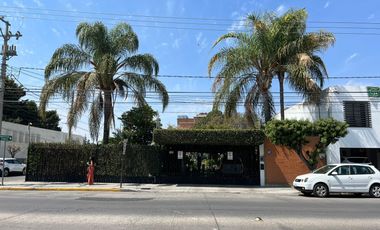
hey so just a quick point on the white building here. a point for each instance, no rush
(23, 134)
(359, 106)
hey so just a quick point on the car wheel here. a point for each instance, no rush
(24, 171)
(321, 190)
(6, 172)
(374, 191)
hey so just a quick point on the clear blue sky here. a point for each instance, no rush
(46, 25)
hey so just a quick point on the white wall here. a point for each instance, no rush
(20, 135)
(332, 106)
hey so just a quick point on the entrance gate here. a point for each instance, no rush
(234, 165)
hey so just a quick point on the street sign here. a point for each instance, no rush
(373, 91)
(5, 138)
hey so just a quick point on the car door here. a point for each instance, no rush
(342, 181)
(18, 165)
(361, 176)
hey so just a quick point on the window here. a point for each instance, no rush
(357, 113)
(359, 170)
(343, 170)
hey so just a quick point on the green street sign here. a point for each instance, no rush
(5, 138)
(373, 91)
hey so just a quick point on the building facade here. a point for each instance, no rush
(359, 106)
(184, 122)
(22, 135)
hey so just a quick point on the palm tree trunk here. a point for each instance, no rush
(266, 106)
(281, 84)
(107, 116)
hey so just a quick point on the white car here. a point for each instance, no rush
(12, 166)
(338, 178)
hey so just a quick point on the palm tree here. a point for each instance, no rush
(274, 46)
(103, 66)
(246, 69)
(297, 58)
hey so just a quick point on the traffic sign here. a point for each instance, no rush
(5, 138)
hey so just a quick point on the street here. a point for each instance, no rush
(174, 210)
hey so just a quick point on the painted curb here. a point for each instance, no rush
(62, 189)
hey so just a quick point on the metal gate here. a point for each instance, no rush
(234, 165)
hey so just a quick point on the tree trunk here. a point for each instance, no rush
(300, 154)
(107, 116)
(281, 78)
(266, 106)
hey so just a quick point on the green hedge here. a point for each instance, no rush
(68, 162)
(208, 137)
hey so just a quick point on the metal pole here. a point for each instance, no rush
(2, 172)
(3, 70)
(125, 142)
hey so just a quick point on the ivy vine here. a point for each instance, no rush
(293, 134)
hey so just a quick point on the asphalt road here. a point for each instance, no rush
(149, 210)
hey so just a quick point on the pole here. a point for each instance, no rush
(122, 156)
(2, 172)
(3, 71)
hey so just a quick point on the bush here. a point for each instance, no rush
(68, 162)
(208, 137)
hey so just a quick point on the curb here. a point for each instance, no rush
(62, 189)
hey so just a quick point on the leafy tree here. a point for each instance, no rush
(138, 125)
(103, 66)
(25, 111)
(274, 46)
(216, 120)
(293, 134)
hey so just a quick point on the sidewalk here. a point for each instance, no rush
(129, 187)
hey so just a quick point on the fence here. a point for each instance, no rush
(68, 163)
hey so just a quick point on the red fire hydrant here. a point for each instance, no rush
(90, 172)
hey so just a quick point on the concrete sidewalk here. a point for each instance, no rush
(129, 187)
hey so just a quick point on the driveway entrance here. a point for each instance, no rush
(235, 165)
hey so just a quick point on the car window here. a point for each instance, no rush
(343, 170)
(359, 170)
(324, 169)
(9, 161)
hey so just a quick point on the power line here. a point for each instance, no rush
(174, 17)
(194, 28)
(194, 76)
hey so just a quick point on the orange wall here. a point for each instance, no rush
(283, 165)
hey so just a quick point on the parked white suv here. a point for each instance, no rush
(12, 165)
(337, 178)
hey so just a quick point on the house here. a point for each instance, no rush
(359, 106)
(184, 122)
(22, 135)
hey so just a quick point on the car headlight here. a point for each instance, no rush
(305, 180)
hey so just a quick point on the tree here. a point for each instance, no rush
(274, 46)
(13, 149)
(25, 111)
(216, 120)
(138, 125)
(293, 134)
(115, 70)
(297, 58)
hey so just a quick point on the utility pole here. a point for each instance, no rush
(7, 53)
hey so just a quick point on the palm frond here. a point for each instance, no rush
(144, 63)
(66, 59)
(123, 39)
(95, 116)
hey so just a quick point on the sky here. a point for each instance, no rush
(180, 34)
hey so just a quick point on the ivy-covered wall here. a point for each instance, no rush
(68, 162)
(208, 137)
